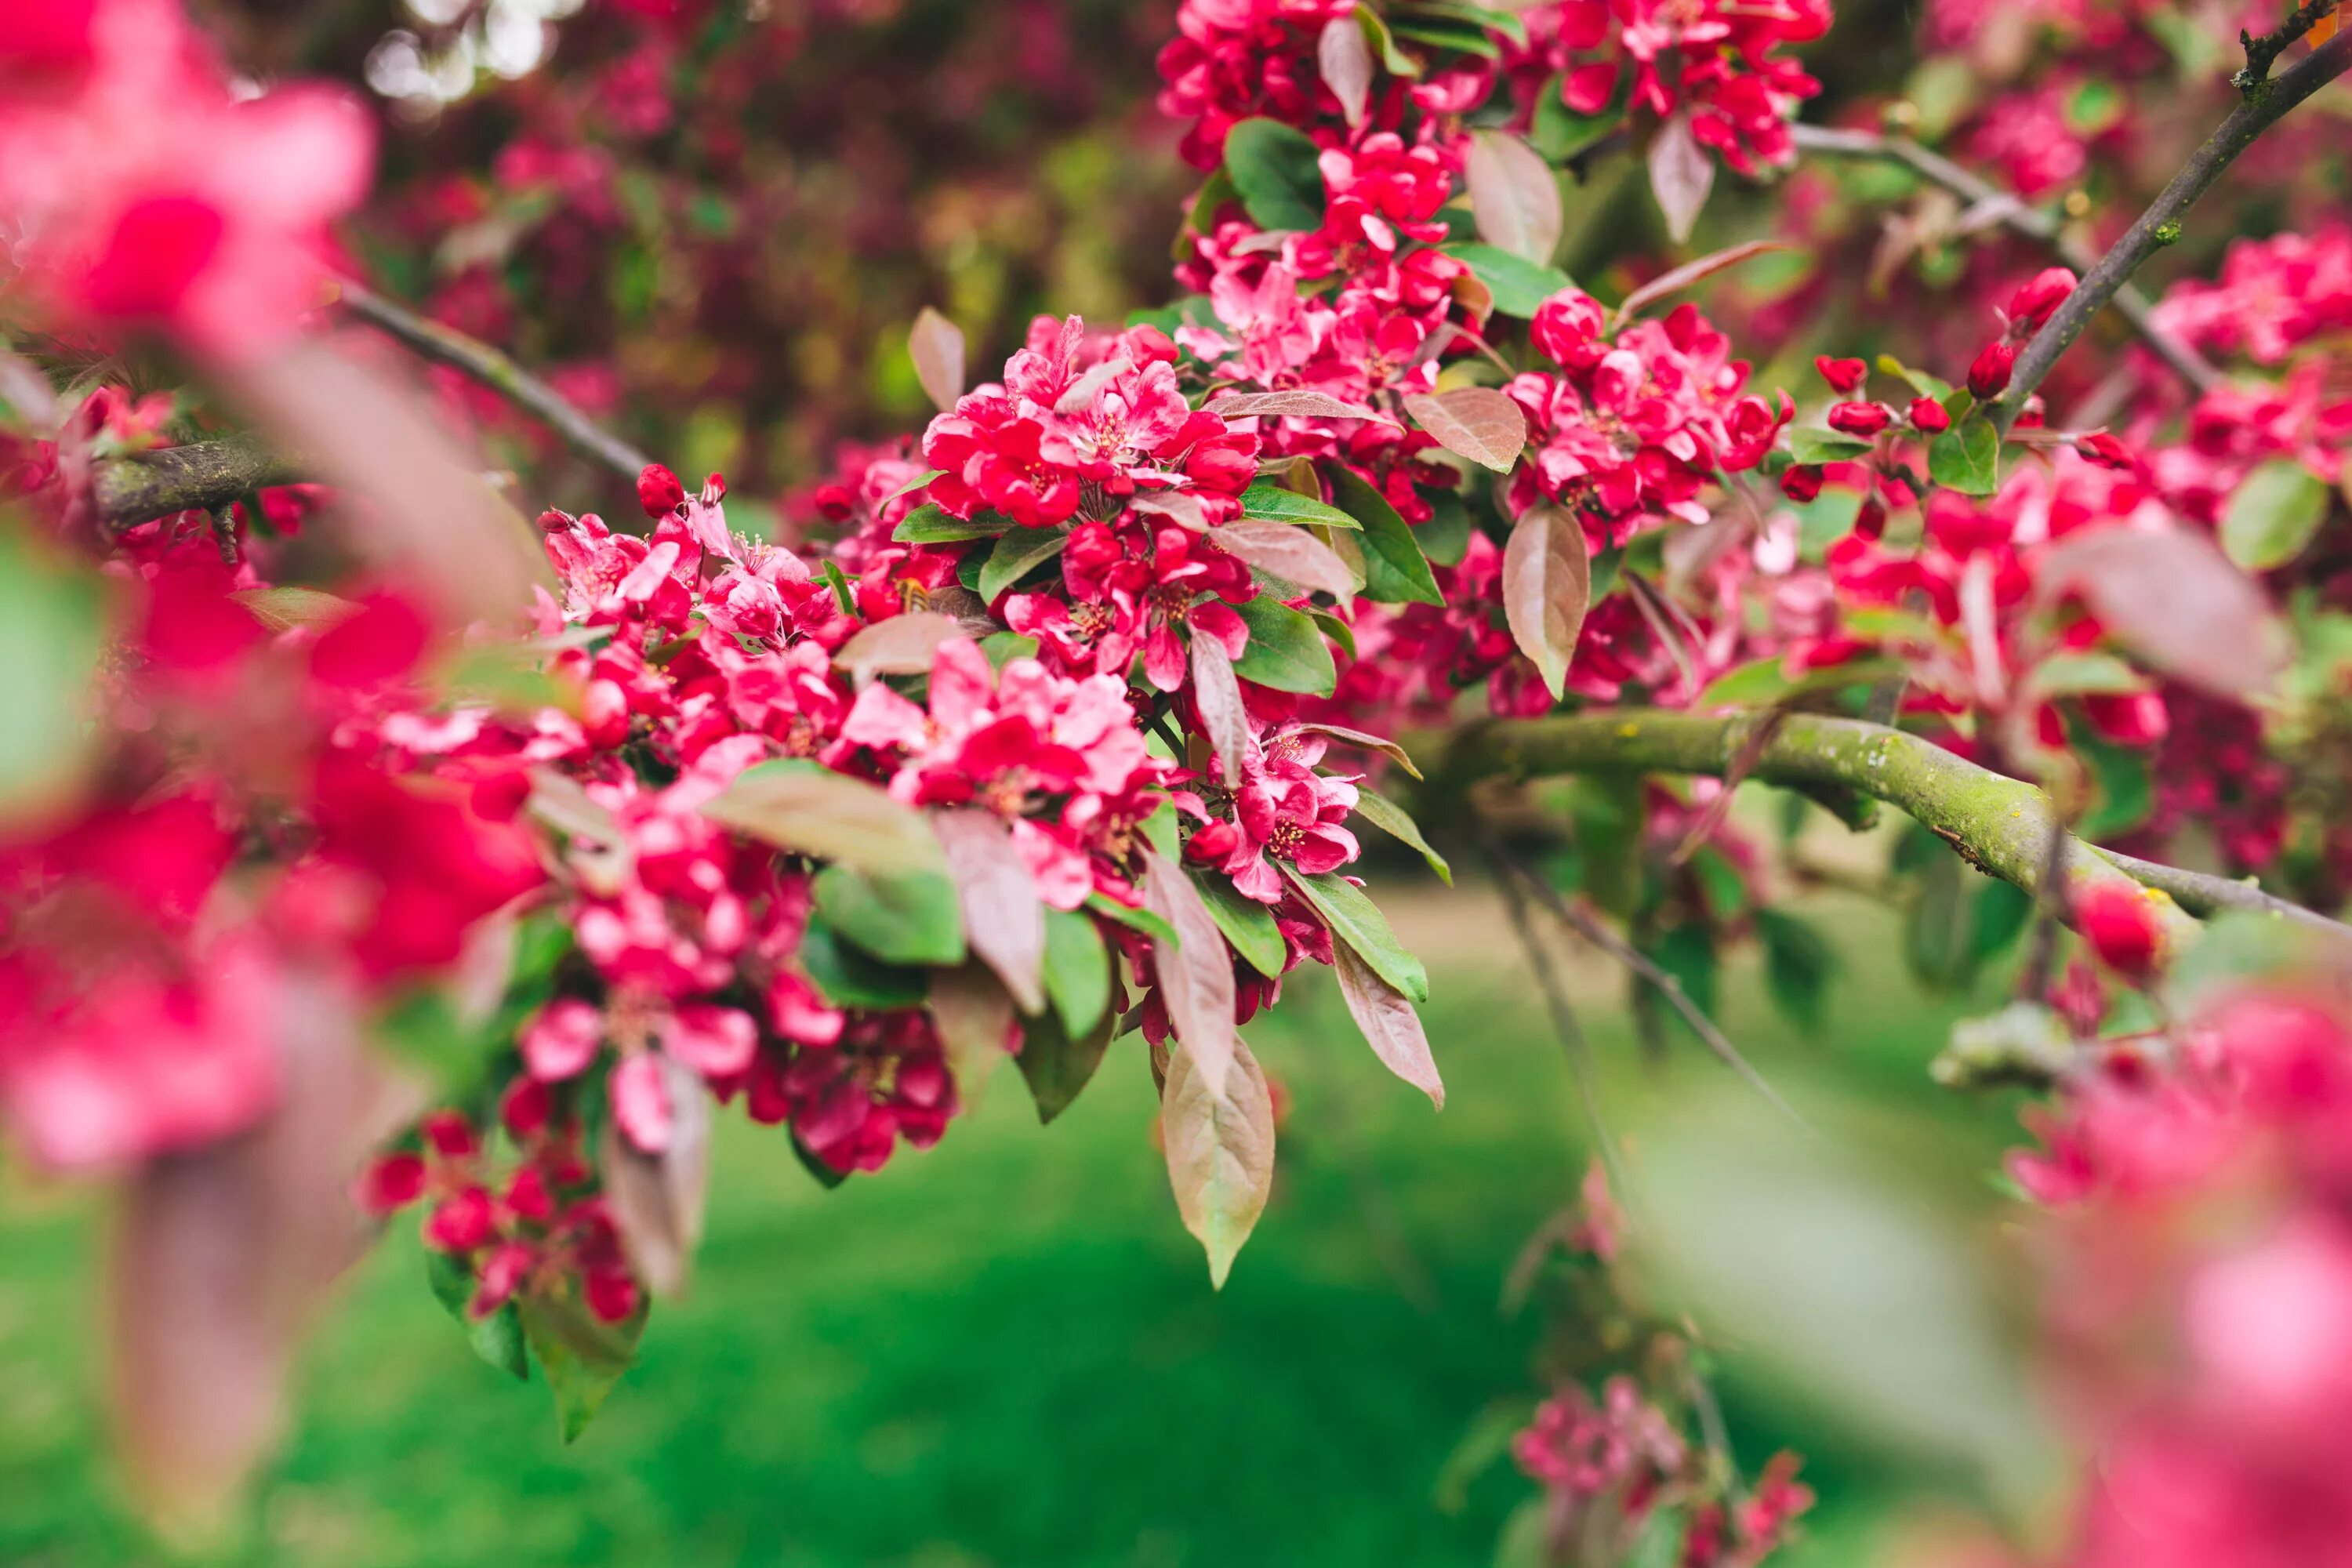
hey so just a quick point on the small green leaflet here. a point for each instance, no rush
(1355, 920)
(1275, 168)
(1017, 552)
(1518, 285)
(497, 1338)
(1285, 505)
(1286, 650)
(848, 978)
(1967, 458)
(582, 1357)
(910, 918)
(1143, 921)
(1056, 1064)
(1247, 925)
(1077, 970)
(931, 524)
(2273, 515)
(1810, 445)
(1397, 822)
(1395, 571)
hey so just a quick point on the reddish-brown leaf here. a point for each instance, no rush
(1369, 742)
(935, 344)
(1004, 919)
(1217, 693)
(657, 1200)
(903, 645)
(1195, 971)
(1546, 587)
(1683, 276)
(810, 810)
(1389, 1022)
(974, 1018)
(1478, 422)
(1179, 507)
(1219, 1139)
(1292, 405)
(1347, 63)
(1288, 551)
(1513, 194)
(2172, 597)
(1682, 173)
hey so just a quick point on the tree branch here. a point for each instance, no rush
(1998, 825)
(2018, 218)
(446, 345)
(206, 475)
(2267, 102)
(2261, 51)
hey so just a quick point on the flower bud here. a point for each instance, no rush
(1989, 377)
(2106, 451)
(2037, 296)
(1929, 416)
(1863, 419)
(2120, 924)
(1844, 375)
(1802, 483)
(659, 492)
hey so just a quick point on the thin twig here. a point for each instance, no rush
(1665, 984)
(2205, 895)
(2032, 223)
(2055, 912)
(2266, 105)
(1572, 1042)
(501, 375)
(2261, 52)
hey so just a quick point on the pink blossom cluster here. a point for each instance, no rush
(152, 194)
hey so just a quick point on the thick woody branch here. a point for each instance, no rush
(501, 375)
(2032, 222)
(2267, 101)
(204, 475)
(2001, 825)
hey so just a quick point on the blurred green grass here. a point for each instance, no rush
(1005, 1351)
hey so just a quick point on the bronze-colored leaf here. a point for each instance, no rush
(1345, 59)
(812, 810)
(1219, 1140)
(1514, 195)
(1476, 422)
(1682, 173)
(657, 1200)
(1292, 405)
(1004, 919)
(1546, 587)
(1217, 694)
(1389, 1022)
(2175, 599)
(903, 645)
(936, 345)
(1683, 276)
(974, 1018)
(1368, 742)
(1195, 971)
(1288, 551)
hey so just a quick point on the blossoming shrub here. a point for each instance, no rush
(1061, 720)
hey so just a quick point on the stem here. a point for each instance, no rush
(446, 345)
(2261, 51)
(2000, 826)
(144, 485)
(2267, 102)
(2032, 223)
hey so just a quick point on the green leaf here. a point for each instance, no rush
(1687, 952)
(582, 1357)
(1247, 925)
(282, 609)
(1559, 133)
(849, 978)
(1462, 37)
(1813, 446)
(1283, 504)
(1276, 169)
(2273, 515)
(1483, 17)
(2086, 674)
(1056, 1063)
(1445, 537)
(1355, 920)
(910, 919)
(1798, 963)
(1936, 937)
(1395, 571)
(1003, 648)
(1142, 920)
(2126, 780)
(1077, 970)
(1967, 458)
(1342, 633)
(1518, 285)
(52, 627)
(1398, 824)
(497, 1338)
(1286, 650)
(1998, 917)
(931, 524)
(839, 583)
(1018, 552)
(1376, 33)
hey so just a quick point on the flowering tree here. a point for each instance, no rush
(371, 848)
